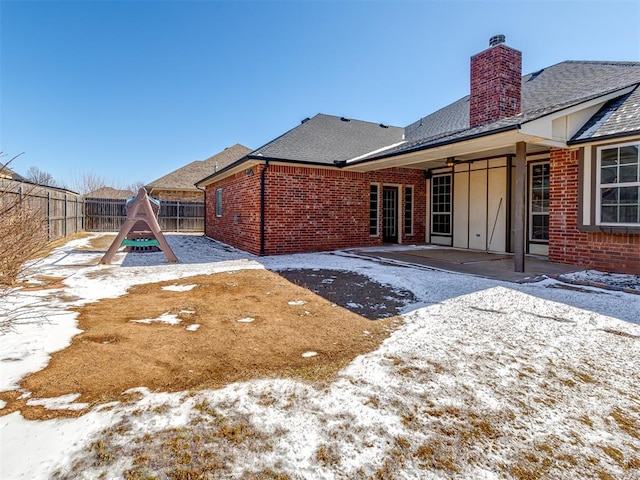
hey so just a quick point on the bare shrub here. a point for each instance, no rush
(23, 236)
(23, 231)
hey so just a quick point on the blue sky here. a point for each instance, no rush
(132, 90)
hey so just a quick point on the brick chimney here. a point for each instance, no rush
(496, 83)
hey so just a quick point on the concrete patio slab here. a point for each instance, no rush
(498, 266)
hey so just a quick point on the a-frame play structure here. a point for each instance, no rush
(135, 235)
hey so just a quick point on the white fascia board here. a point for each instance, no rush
(473, 146)
(232, 171)
(568, 120)
(379, 150)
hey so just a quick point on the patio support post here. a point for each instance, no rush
(520, 207)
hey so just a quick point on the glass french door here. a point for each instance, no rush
(390, 214)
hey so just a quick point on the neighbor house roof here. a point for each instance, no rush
(543, 92)
(325, 139)
(110, 193)
(6, 172)
(184, 178)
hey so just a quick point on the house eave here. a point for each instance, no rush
(605, 138)
(253, 160)
(480, 145)
(227, 171)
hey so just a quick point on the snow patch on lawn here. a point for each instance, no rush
(169, 318)
(179, 288)
(63, 402)
(296, 302)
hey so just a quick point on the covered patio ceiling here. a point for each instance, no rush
(500, 144)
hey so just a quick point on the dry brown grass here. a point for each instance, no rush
(100, 243)
(206, 447)
(114, 354)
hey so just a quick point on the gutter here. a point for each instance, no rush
(263, 175)
(612, 136)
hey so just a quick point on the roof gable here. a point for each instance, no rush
(617, 117)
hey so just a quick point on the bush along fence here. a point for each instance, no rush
(62, 210)
(108, 215)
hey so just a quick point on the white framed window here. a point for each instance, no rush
(441, 204)
(408, 210)
(618, 185)
(218, 202)
(374, 203)
(539, 202)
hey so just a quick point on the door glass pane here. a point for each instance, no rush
(389, 213)
(540, 227)
(539, 202)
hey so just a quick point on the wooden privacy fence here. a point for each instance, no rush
(108, 215)
(61, 209)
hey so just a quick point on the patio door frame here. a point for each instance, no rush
(391, 214)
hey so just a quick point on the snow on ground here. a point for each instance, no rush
(482, 376)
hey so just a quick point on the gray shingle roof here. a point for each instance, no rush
(184, 178)
(617, 117)
(326, 138)
(543, 92)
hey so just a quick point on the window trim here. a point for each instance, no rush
(432, 203)
(408, 214)
(530, 212)
(598, 186)
(218, 202)
(377, 210)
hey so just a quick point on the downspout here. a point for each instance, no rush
(204, 190)
(263, 175)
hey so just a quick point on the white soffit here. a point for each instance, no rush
(499, 143)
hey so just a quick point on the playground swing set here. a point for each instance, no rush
(140, 231)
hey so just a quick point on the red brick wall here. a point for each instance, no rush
(496, 84)
(600, 251)
(308, 209)
(239, 224)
